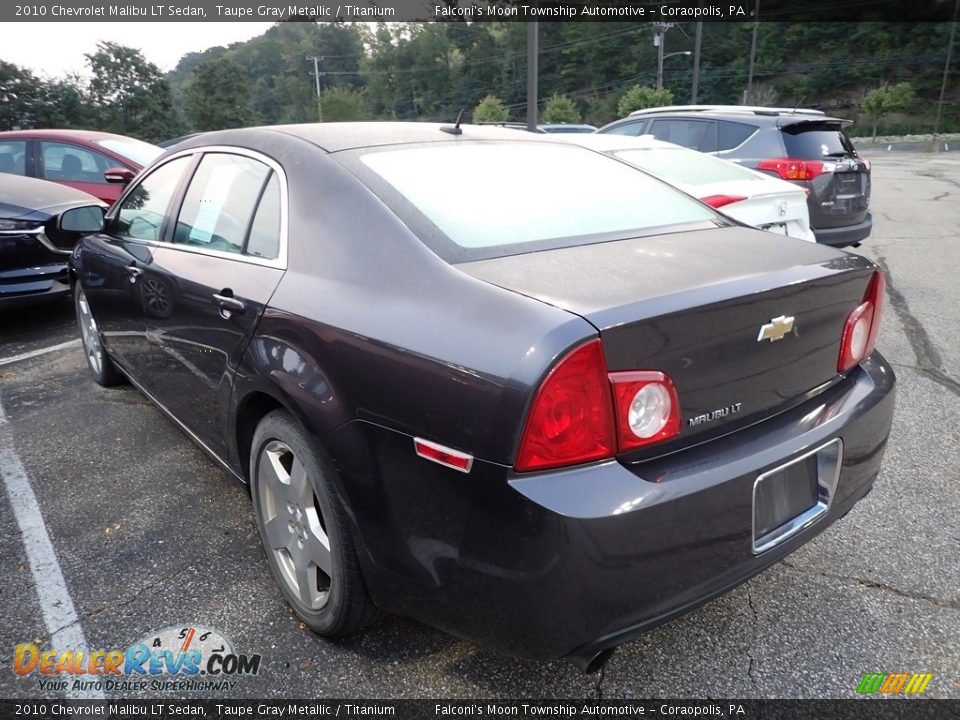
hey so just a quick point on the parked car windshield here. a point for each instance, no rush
(493, 199)
(136, 151)
(685, 166)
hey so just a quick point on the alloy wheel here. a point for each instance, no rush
(294, 525)
(90, 334)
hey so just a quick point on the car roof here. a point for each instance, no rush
(60, 134)
(748, 109)
(335, 137)
(763, 117)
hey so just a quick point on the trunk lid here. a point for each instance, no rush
(694, 304)
(774, 205)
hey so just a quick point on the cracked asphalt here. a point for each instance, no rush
(150, 533)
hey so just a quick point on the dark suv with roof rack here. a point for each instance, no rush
(803, 146)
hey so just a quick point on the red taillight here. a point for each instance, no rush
(581, 414)
(571, 418)
(791, 168)
(647, 408)
(719, 201)
(862, 325)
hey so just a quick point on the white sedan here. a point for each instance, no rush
(745, 195)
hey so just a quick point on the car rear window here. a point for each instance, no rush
(811, 141)
(490, 199)
(136, 151)
(676, 165)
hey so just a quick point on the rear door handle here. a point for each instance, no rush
(228, 302)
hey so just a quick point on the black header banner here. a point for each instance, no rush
(159, 709)
(475, 10)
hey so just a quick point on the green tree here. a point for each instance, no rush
(887, 99)
(217, 96)
(490, 109)
(20, 94)
(130, 95)
(342, 104)
(640, 97)
(560, 109)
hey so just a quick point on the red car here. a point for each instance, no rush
(98, 163)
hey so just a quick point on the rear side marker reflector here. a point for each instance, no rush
(448, 457)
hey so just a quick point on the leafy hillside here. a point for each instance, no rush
(431, 71)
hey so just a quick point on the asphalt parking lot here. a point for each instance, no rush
(150, 533)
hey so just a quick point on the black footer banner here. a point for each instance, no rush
(854, 709)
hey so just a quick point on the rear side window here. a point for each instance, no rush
(13, 157)
(693, 134)
(520, 197)
(634, 129)
(812, 141)
(220, 201)
(264, 239)
(733, 134)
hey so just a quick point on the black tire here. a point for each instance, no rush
(347, 607)
(101, 367)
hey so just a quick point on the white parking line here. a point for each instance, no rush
(59, 614)
(40, 351)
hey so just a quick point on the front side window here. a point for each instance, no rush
(13, 157)
(219, 204)
(72, 163)
(520, 197)
(143, 209)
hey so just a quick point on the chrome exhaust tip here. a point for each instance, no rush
(590, 661)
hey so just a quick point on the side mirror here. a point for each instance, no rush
(86, 219)
(118, 176)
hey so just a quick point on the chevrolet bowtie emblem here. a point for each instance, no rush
(776, 329)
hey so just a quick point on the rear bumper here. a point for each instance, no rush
(577, 561)
(846, 234)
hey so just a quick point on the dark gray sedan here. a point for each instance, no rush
(509, 386)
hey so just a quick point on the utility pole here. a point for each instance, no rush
(660, 29)
(533, 53)
(748, 95)
(316, 76)
(946, 71)
(696, 62)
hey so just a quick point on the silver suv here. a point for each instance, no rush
(803, 146)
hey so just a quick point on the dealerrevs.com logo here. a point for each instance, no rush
(178, 658)
(894, 683)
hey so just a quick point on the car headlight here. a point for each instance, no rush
(18, 225)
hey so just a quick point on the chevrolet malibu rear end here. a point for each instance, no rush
(514, 388)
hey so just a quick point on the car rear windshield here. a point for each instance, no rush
(686, 167)
(471, 201)
(810, 141)
(136, 151)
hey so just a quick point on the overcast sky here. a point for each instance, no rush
(53, 48)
